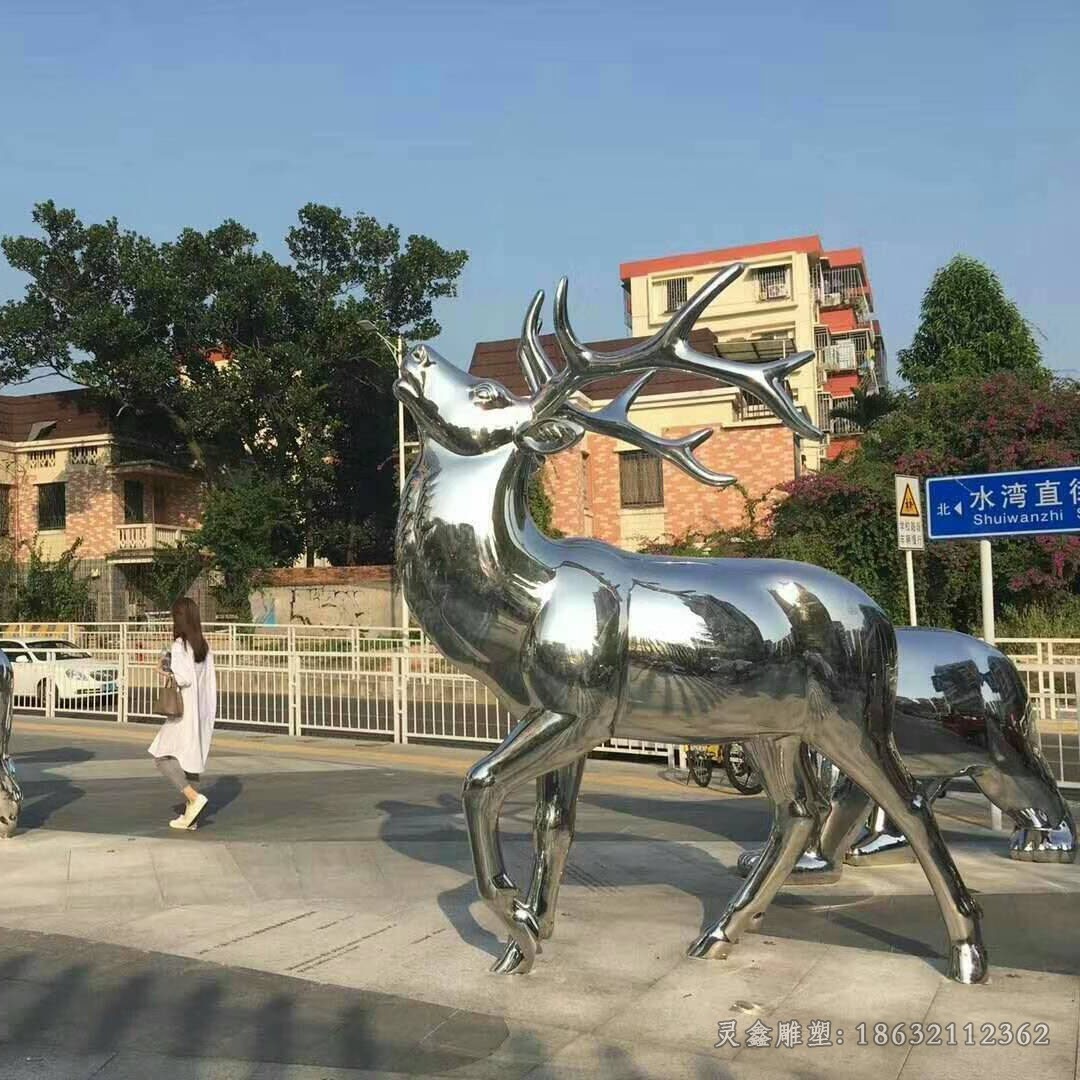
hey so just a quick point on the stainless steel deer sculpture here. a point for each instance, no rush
(583, 641)
(961, 710)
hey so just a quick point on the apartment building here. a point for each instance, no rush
(71, 468)
(795, 295)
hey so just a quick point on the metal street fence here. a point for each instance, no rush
(300, 680)
(372, 682)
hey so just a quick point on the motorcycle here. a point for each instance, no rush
(701, 761)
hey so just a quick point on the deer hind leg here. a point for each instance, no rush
(792, 790)
(542, 743)
(874, 765)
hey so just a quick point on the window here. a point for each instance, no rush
(52, 506)
(586, 485)
(134, 502)
(678, 289)
(641, 479)
(773, 283)
(6, 491)
(160, 502)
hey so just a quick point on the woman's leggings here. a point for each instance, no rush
(169, 767)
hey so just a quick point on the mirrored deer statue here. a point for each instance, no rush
(961, 710)
(583, 641)
(10, 794)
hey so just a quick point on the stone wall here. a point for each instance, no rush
(327, 596)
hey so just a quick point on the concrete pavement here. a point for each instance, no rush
(324, 919)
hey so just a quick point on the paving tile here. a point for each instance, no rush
(26, 1062)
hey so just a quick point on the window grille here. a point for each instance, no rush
(641, 479)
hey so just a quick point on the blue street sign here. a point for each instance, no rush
(1003, 504)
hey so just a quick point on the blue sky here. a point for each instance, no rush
(567, 138)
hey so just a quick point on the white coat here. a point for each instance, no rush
(187, 738)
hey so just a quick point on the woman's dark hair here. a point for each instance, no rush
(187, 626)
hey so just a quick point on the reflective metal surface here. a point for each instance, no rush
(10, 794)
(961, 711)
(584, 641)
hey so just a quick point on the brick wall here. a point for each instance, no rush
(95, 507)
(761, 457)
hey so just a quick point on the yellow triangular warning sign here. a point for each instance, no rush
(908, 506)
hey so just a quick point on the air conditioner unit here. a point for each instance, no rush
(830, 299)
(776, 291)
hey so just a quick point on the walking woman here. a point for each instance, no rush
(181, 746)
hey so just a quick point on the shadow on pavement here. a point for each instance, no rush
(68, 995)
(1033, 931)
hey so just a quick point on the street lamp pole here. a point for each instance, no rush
(397, 350)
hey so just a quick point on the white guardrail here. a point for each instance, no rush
(300, 680)
(367, 681)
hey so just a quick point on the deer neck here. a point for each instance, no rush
(468, 551)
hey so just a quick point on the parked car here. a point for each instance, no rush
(79, 677)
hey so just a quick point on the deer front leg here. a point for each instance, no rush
(553, 833)
(542, 743)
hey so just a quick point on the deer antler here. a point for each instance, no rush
(668, 349)
(614, 418)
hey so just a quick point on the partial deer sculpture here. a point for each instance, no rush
(10, 793)
(962, 710)
(583, 641)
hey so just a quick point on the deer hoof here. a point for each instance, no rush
(712, 945)
(1043, 845)
(811, 869)
(968, 963)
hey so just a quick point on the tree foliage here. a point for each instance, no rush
(52, 589)
(172, 572)
(843, 518)
(248, 525)
(968, 329)
(303, 396)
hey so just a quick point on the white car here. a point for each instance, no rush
(78, 675)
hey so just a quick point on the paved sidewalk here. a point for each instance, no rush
(325, 918)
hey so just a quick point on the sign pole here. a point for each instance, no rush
(986, 576)
(911, 586)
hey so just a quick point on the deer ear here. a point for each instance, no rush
(549, 436)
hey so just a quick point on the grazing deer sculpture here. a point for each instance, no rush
(962, 709)
(583, 641)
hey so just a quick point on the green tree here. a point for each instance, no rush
(968, 329)
(303, 396)
(173, 571)
(866, 408)
(53, 589)
(540, 505)
(248, 525)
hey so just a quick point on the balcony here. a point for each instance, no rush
(841, 356)
(148, 536)
(747, 407)
(842, 286)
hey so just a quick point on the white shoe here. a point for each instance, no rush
(187, 819)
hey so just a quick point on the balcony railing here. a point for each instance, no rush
(774, 284)
(842, 356)
(749, 408)
(841, 425)
(148, 536)
(843, 286)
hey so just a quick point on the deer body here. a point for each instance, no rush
(583, 641)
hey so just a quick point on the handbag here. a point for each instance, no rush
(168, 702)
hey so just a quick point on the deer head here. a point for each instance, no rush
(470, 415)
